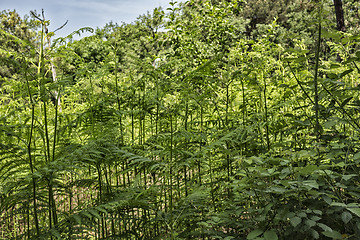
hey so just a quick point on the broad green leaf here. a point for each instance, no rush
(216, 219)
(301, 214)
(284, 173)
(248, 161)
(332, 234)
(330, 34)
(270, 235)
(204, 224)
(327, 199)
(315, 218)
(295, 221)
(228, 238)
(318, 212)
(254, 234)
(315, 234)
(357, 54)
(310, 223)
(340, 164)
(349, 176)
(308, 169)
(357, 155)
(302, 123)
(324, 227)
(290, 215)
(311, 184)
(305, 153)
(329, 124)
(337, 204)
(355, 211)
(346, 217)
(277, 190)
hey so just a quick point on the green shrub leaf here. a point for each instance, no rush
(324, 227)
(270, 235)
(355, 211)
(332, 234)
(315, 234)
(311, 184)
(310, 223)
(295, 221)
(254, 234)
(346, 217)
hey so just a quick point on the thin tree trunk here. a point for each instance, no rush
(340, 21)
(339, 12)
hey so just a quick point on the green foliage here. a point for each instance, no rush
(14, 32)
(202, 131)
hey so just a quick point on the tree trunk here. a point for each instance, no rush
(340, 22)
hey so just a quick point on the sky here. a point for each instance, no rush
(84, 13)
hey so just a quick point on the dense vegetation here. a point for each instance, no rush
(211, 120)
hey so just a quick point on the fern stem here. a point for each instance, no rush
(31, 163)
(171, 162)
(316, 91)
(266, 118)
